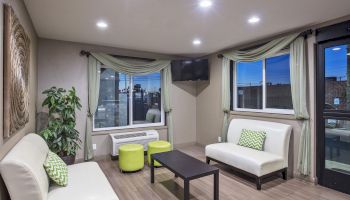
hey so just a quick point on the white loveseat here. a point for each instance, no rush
(258, 164)
(26, 179)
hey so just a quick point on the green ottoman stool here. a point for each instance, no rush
(157, 147)
(131, 157)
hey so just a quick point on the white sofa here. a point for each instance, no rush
(26, 179)
(258, 164)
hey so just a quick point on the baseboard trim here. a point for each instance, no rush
(186, 144)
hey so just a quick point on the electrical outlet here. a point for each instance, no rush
(219, 139)
(94, 146)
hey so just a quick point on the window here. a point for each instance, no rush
(122, 107)
(263, 86)
(337, 77)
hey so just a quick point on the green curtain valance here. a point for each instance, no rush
(263, 51)
(95, 62)
(129, 67)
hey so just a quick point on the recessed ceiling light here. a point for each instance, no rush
(348, 54)
(205, 3)
(102, 24)
(336, 49)
(254, 20)
(197, 42)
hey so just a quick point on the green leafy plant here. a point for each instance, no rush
(60, 134)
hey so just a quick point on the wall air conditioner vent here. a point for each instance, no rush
(130, 135)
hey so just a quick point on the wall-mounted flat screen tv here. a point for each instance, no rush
(190, 70)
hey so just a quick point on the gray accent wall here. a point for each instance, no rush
(22, 14)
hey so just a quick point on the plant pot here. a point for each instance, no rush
(69, 160)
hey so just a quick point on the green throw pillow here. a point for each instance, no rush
(56, 169)
(252, 139)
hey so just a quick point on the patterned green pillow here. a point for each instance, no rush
(252, 139)
(56, 169)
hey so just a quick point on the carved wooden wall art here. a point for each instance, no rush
(16, 74)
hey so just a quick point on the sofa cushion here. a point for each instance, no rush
(252, 139)
(255, 162)
(22, 169)
(56, 169)
(86, 182)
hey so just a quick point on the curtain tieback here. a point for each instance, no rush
(168, 110)
(302, 118)
(226, 111)
(89, 114)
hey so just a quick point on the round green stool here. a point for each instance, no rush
(131, 157)
(157, 147)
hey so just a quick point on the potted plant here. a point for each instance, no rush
(60, 133)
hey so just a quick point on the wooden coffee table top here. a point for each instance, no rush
(184, 165)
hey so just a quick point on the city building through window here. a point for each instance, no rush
(128, 101)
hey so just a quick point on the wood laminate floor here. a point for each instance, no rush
(233, 186)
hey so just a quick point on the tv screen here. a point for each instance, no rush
(190, 70)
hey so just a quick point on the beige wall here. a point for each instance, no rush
(26, 22)
(210, 116)
(59, 64)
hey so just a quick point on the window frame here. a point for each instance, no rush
(131, 125)
(264, 109)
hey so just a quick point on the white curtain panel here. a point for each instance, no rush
(94, 68)
(127, 67)
(225, 100)
(298, 73)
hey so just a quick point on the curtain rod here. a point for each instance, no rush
(305, 34)
(87, 54)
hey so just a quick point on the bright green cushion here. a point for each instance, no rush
(56, 169)
(252, 139)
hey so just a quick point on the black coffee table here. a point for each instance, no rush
(186, 167)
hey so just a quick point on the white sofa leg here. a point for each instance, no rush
(208, 160)
(258, 183)
(284, 174)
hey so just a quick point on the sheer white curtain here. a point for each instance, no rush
(298, 73)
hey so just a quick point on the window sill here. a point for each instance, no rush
(107, 132)
(264, 114)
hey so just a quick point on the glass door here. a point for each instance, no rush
(333, 115)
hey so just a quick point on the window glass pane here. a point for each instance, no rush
(113, 104)
(337, 145)
(337, 82)
(278, 89)
(249, 84)
(146, 99)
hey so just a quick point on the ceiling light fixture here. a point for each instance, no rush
(102, 25)
(254, 20)
(197, 42)
(205, 3)
(336, 49)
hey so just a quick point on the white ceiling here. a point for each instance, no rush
(169, 26)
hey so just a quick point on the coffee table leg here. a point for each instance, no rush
(152, 170)
(186, 189)
(216, 186)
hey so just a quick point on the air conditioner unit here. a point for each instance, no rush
(138, 137)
